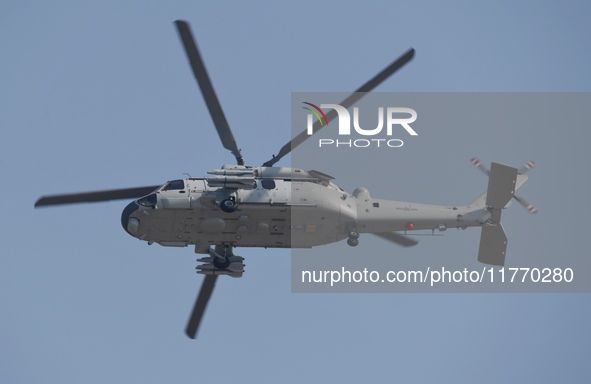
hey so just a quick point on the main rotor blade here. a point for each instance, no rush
(200, 305)
(93, 197)
(397, 238)
(352, 99)
(211, 99)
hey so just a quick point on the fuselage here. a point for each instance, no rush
(277, 208)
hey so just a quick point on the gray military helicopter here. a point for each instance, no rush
(277, 207)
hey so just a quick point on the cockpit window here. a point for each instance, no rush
(174, 185)
(268, 184)
(148, 201)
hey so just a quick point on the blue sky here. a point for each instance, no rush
(100, 96)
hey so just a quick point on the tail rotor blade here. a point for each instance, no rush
(530, 208)
(200, 305)
(526, 167)
(211, 99)
(352, 99)
(478, 164)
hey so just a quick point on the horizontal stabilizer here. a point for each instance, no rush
(493, 244)
(501, 185)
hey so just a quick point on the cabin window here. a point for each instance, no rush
(376, 205)
(174, 185)
(268, 184)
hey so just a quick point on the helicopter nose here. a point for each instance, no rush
(130, 225)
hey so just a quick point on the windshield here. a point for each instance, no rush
(148, 201)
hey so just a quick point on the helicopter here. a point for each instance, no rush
(278, 207)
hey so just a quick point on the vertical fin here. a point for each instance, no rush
(493, 245)
(501, 185)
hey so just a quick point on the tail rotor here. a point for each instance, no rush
(521, 178)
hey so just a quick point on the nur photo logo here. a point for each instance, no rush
(392, 118)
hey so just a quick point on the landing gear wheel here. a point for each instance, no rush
(352, 242)
(353, 235)
(228, 205)
(221, 265)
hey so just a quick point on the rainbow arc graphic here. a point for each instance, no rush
(316, 111)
